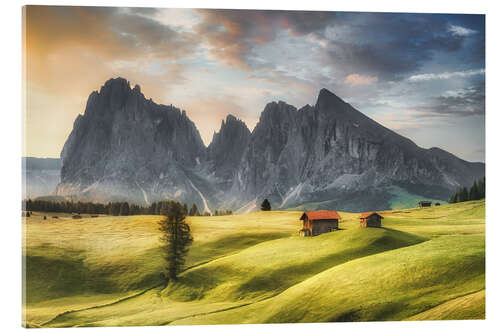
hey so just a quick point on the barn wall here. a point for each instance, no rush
(322, 226)
(373, 221)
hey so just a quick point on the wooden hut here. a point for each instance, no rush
(424, 204)
(318, 222)
(371, 220)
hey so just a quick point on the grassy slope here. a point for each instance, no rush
(425, 264)
(74, 264)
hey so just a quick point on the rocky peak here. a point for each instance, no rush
(227, 146)
(326, 97)
(127, 147)
(124, 141)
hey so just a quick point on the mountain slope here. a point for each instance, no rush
(127, 147)
(332, 152)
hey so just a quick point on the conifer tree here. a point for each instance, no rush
(464, 195)
(194, 211)
(266, 205)
(473, 193)
(482, 188)
(175, 239)
(124, 208)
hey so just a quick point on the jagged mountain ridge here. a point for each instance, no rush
(128, 147)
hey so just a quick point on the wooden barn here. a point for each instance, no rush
(424, 204)
(371, 220)
(318, 222)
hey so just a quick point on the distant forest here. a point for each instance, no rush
(476, 192)
(112, 208)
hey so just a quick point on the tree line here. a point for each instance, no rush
(476, 192)
(121, 208)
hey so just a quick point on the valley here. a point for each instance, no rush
(254, 268)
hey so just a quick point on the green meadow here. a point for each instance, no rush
(424, 264)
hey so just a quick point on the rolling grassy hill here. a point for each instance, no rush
(425, 264)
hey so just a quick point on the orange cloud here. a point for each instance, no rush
(357, 79)
(71, 51)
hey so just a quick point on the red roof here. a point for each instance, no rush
(321, 215)
(365, 215)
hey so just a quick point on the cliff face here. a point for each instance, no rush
(333, 154)
(226, 149)
(127, 147)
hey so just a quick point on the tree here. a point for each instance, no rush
(482, 188)
(115, 209)
(464, 195)
(194, 210)
(124, 208)
(266, 205)
(473, 193)
(175, 239)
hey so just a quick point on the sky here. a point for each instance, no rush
(421, 75)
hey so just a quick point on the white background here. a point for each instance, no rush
(10, 159)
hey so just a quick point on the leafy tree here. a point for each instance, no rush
(175, 239)
(266, 205)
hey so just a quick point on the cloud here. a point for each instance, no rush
(445, 75)
(356, 79)
(71, 51)
(461, 31)
(91, 40)
(209, 62)
(105, 31)
(232, 35)
(463, 102)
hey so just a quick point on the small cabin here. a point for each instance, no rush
(319, 222)
(424, 204)
(371, 220)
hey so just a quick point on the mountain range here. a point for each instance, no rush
(325, 156)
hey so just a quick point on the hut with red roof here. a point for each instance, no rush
(318, 222)
(371, 219)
